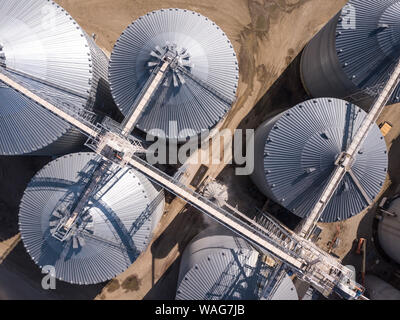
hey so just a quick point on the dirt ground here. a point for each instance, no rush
(15, 174)
(267, 36)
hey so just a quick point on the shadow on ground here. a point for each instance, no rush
(186, 225)
(26, 282)
(284, 94)
(15, 174)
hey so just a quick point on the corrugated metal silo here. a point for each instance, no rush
(46, 51)
(389, 231)
(217, 265)
(380, 290)
(295, 154)
(115, 226)
(204, 51)
(355, 51)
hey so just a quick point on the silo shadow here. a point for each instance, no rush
(285, 93)
(184, 227)
(28, 280)
(15, 174)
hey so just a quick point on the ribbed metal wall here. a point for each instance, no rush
(295, 154)
(389, 232)
(58, 62)
(119, 229)
(380, 290)
(342, 59)
(217, 265)
(212, 58)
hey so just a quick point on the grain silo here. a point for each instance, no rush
(200, 84)
(114, 225)
(218, 265)
(380, 290)
(389, 231)
(354, 52)
(296, 151)
(44, 50)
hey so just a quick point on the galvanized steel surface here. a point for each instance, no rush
(54, 58)
(295, 156)
(369, 52)
(286, 290)
(357, 50)
(211, 58)
(379, 289)
(119, 226)
(217, 265)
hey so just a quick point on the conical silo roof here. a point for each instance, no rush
(353, 56)
(204, 51)
(218, 265)
(296, 154)
(369, 51)
(44, 50)
(115, 225)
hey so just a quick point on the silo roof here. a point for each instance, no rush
(227, 274)
(300, 152)
(43, 49)
(112, 231)
(204, 51)
(369, 49)
(286, 290)
(218, 265)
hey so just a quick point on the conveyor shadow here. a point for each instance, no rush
(166, 286)
(179, 232)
